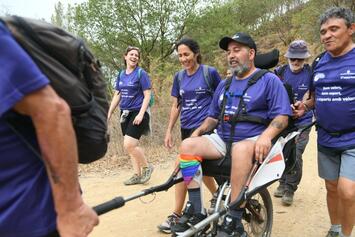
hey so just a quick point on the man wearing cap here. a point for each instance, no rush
(297, 75)
(333, 97)
(267, 98)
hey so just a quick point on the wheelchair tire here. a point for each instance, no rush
(258, 216)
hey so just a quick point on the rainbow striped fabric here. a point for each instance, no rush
(189, 164)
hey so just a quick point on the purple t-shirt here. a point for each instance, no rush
(131, 87)
(334, 86)
(26, 204)
(267, 98)
(299, 82)
(195, 96)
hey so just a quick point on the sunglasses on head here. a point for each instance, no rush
(129, 48)
(298, 59)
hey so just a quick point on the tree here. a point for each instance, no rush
(112, 25)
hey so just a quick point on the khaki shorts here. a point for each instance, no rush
(220, 145)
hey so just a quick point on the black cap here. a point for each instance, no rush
(241, 38)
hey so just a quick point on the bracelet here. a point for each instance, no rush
(306, 107)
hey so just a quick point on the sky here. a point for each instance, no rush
(32, 8)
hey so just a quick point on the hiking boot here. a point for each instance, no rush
(231, 227)
(287, 198)
(187, 220)
(280, 191)
(135, 179)
(332, 234)
(171, 220)
(213, 204)
(146, 173)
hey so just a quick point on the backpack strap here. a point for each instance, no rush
(207, 77)
(139, 73)
(313, 66)
(281, 71)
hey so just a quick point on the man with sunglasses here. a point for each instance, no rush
(297, 74)
(333, 95)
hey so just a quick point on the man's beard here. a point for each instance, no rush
(240, 70)
(293, 69)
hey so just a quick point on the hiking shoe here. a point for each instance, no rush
(146, 173)
(287, 198)
(231, 227)
(332, 234)
(171, 220)
(135, 179)
(280, 191)
(213, 204)
(187, 220)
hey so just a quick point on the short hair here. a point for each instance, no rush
(192, 45)
(338, 12)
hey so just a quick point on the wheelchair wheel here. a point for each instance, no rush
(258, 216)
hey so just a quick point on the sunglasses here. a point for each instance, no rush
(129, 48)
(298, 59)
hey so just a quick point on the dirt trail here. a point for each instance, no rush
(306, 217)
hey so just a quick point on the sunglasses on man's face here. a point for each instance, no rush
(298, 59)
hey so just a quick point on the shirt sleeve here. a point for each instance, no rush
(117, 82)
(277, 97)
(175, 90)
(215, 109)
(19, 74)
(216, 78)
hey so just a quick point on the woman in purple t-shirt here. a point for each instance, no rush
(192, 93)
(133, 91)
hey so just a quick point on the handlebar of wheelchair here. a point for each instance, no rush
(110, 205)
(120, 201)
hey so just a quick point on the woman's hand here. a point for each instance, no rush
(138, 119)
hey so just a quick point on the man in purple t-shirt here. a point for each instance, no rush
(37, 197)
(297, 75)
(333, 97)
(267, 98)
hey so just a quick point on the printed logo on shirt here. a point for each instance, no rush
(247, 97)
(200, 90)
(303, 87)
(319, 76)
(348, 75)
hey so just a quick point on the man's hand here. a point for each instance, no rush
(298, 109)
(196, 133)
(262, 148)
(78, 222)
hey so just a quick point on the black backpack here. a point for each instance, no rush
(75, 75)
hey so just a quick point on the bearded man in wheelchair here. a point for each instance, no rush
(248, 111)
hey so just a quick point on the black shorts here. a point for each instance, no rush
(135, 131)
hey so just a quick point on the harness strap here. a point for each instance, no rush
(241, 108)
